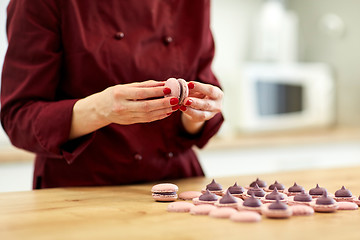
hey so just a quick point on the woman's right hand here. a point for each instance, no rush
(125, 104)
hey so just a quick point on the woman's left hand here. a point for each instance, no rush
(203, 102)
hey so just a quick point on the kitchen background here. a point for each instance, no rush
(290, 74)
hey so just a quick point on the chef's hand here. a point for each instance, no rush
(131, 103)
(203, 102)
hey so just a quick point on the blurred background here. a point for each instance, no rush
(291, 81)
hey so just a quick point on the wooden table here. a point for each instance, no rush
(128, 212)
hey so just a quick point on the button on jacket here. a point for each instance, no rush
(61, 51)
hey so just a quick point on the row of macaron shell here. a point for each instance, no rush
(259, 188)
(275, 208)
(255, 196)
(168, 192)
(238, 210)
(247, 208)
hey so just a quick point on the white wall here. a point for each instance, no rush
(231, 23)
(3, 45)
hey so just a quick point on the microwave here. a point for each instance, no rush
(276, 96)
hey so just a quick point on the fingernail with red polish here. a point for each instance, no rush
(167, 91)
(183, 108)
(174, 101)
(174, 108)
(191, 85)
(189, 102)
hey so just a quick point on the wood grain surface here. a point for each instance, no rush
(128, 212)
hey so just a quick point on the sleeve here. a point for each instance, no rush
(32, 114)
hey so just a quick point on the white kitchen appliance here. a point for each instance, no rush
(275, 96)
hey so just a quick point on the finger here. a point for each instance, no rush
(147, 106)
(207, 89)
(151, 116)
(203, 104)
(149, 83)
(142, 93)
(198, 115)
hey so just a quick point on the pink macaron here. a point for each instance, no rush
(276, 210)
(228, 200)
(251, 204)
(279, 186)
(325, 204)
(347, 206)
(203, 209)
(179, 89)
(273, 196)
(206, 198)
(237, 191)
(164, 192)
(245, 216)
(302, 198)
(344, 195)
(214, 187)
(258, 183)
(223, 212)
(189, 195)
(294, 190)
(356, 200)
(179, 207)
(301, 210)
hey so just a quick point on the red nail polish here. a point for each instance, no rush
(191, 85)
(167, 91)
(174, 101)
(174, 108)
(183, 108)
(189, 102)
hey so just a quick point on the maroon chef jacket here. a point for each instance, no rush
(61, 51)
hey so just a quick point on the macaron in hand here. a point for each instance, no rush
(179, 89)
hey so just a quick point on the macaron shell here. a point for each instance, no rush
(224, 212)
(179, 207)
(197, 201)
(270, 213)
(184, 90)
(345, 199)
(357, 201)
(245, 216)
(230, 205)
(164, 187)
(347, 206)
(292, 202)
(189, 195)
(203, 209)
(325, 208)
(241, 207)
(219, 192)
(174, 85)
(302, 210)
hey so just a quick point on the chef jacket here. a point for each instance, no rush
(61, 51)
